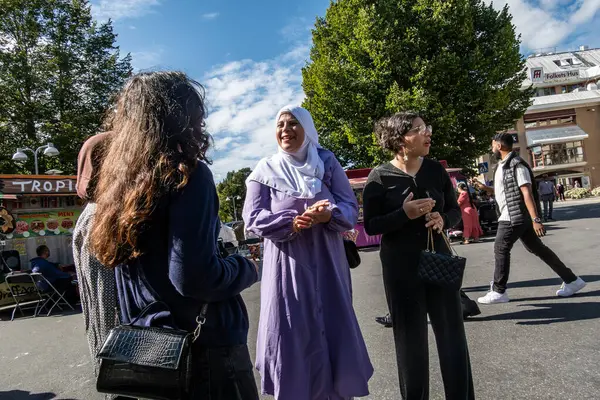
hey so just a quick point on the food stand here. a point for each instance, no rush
(358, 180)
(43, 210)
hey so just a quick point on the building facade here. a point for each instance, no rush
(559, 135)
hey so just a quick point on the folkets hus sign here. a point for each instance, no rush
(23, 184)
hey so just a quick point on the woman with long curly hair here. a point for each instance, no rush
(156, 223)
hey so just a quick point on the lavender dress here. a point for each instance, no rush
(309, 344)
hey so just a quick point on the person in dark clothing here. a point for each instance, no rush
(402, 200)
(518, 207)
(62, 281)
(156, 223)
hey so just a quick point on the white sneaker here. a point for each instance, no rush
(569, 289)
(493, 297)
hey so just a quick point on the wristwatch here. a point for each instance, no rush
(537, 220)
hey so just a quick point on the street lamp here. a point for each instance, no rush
(234, 210)
(49, 150)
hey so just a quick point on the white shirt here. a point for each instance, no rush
(523, 179)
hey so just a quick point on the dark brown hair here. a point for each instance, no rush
(390, 131)
(158, 138)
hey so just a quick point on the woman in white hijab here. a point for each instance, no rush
(299, 200)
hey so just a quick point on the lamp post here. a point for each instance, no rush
(49, 150)
(234, 210)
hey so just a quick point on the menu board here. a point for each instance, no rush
(45, 223)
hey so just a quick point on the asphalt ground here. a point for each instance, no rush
(538, 346)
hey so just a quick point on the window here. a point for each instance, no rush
(547, 91)
(557, 154)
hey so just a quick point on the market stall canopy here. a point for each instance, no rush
(555, 135)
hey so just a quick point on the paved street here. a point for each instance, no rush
(535, 347)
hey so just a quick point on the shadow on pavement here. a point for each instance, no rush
(579, 211)
(595, 293)
(548, 313)
(24, 395)
(533, 283)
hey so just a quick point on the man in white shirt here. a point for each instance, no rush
(518, 205)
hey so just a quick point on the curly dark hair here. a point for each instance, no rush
(158, 139)
(390, 131)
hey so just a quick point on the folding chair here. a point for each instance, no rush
(51, 295)
(19, 295)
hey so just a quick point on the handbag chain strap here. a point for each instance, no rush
(430, 242)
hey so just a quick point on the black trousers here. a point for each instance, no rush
(409, 302)
(507, 236)
(223, 373)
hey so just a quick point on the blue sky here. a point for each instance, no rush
(249, 54)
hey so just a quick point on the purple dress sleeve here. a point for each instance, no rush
(260, 220)
(344, 213)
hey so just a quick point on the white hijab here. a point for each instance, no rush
(297, 174)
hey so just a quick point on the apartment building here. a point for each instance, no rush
(559, 135)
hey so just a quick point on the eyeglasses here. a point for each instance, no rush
(422, 129)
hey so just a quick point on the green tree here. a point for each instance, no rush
(232, 187)
(58, 71)
(458, 62)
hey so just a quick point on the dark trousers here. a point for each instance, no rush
(547, 201)
(223, 373)
(507, 236)
(409, 302)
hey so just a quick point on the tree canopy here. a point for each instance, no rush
(232, 187)
(456, 62)
(58, 71)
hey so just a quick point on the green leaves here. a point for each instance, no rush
(232, 187)
(58, 71)
(457, 62)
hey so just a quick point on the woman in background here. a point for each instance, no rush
(470, 216)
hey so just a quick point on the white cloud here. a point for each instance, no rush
(210, 16)
(146, 59)
(121, 9)
(550, 22)
(243, 98)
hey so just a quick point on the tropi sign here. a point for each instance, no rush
(25, 185)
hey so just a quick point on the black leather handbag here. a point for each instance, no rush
(352, 253)
(148, 362)
(441, 269)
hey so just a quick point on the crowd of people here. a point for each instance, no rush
(148, 236)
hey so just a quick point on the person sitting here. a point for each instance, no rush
(61, 280)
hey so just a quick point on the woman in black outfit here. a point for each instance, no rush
(402, 199)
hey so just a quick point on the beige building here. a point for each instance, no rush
(559, 135)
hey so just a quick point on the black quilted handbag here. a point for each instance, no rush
(148, 362)
(441, 269)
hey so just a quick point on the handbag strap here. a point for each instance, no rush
(200, 319)
(431, 245)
